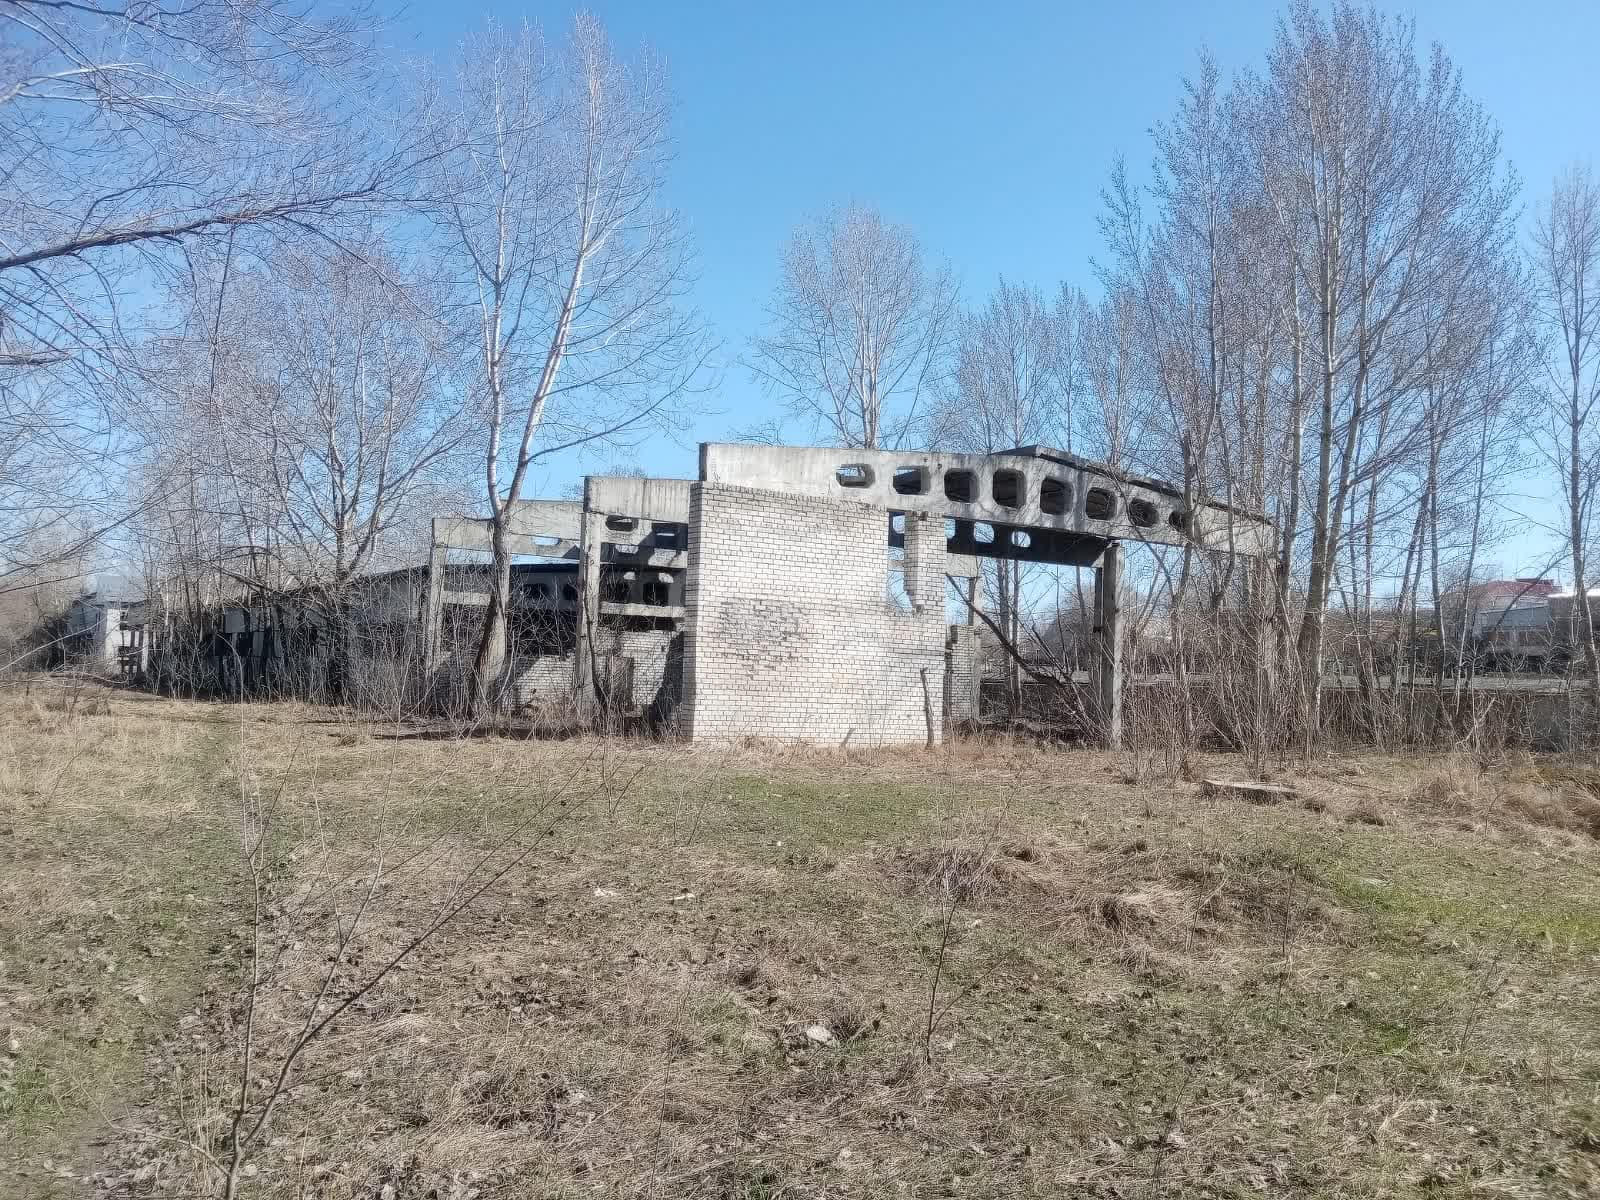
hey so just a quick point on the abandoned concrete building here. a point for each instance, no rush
(800, 593)
(797, 592)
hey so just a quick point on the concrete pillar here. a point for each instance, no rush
(1108, 647)
(433, 612)
(585, 688)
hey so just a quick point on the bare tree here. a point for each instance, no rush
(354, 400)
(573, 274)
(857, 328)
(323, 385)
(1566, 267)
(1191, 282)
(1008, 387)
(129, 134)
(1384, 180)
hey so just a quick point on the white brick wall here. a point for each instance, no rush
(790, 633)
(964, 666)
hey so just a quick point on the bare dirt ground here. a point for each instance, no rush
(714, 973)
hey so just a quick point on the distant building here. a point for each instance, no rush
(1497, 595)
(100, 626)
(1561, 606)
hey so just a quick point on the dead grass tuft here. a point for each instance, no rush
(1455, 788)
(1570, 799)
(1151, 907)
(959, 874)
(1561, 794)
(514, 1096)
(1152, 965)
(848, 1018)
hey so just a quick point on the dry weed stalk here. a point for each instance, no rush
(254, 1106)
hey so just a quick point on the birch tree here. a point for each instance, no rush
(1566, 265)
(857, 329)
(571, 273)
(1384, 178)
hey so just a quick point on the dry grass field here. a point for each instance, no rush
(990, 970)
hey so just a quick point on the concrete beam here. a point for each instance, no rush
(614, 608)
(657, 500)
(433, 610)
(646, 556)
(472, 533)
(1030, 489)
(551, 518)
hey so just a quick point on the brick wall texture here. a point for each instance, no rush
(790, 632)
(963, 673)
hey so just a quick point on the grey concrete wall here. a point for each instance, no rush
(790, 632)
(547, 678)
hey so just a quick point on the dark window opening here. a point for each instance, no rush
(1008, 488)
(656, 593)
(669, 537)
(854, 475)
(1142, 513)
(1178, 519)
(620, 524)
(617, 591)
(1099, 505)
(1055, 497)
(569, 591)
(960, 486)
(910, 481)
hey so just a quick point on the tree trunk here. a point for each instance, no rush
(1582, 611)
(488, 667)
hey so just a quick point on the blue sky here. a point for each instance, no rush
(989, 127)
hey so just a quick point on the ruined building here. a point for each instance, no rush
(799, 593)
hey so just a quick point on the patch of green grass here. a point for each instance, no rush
(1472, 904)
(112, 979)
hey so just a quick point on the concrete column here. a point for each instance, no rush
(585, 688)
(1108, 639)
(433, 612)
